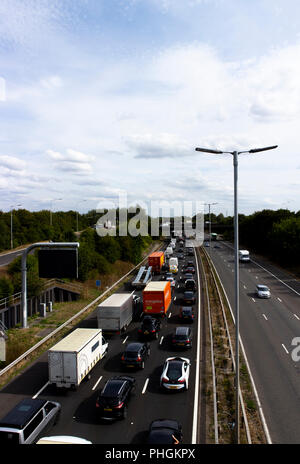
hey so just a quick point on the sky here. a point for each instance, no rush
(103, 99)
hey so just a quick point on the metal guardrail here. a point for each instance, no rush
(56, 331)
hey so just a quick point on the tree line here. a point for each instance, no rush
(274, 234)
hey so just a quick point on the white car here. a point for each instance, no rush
(175, 374)
(263, 291)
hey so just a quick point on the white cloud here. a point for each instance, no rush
(12, 163)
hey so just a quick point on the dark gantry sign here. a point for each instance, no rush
(58, 262)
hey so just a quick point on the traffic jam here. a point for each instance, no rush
(144, 338)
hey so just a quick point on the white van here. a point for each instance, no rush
(25, 423)
(244, 255)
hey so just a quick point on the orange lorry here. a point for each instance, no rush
(156, 260)
(157, 298)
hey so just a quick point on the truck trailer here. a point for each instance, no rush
(116, 312)
(157, 298)
(156, 261)
(71, 359)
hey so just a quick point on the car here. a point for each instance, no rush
(175, 374)
(172, 280)
(180, 256)
(165, 267)
(206, 244)
(150, 327)
(189, 297)
(190, 284)
(217, 246)
(182, 338)
(168, 274)
(135, 355)
(189, 270)
(190, 252)
(190, 263)
(185, 277)
(112, 400)
(186, 313)
(263, 291)
(164, 432)
(28, 421)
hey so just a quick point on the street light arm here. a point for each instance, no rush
(208, 150)
(255, 150)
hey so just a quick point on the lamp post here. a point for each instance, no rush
(236, 268)
(209, 205)
(11, 225)
(77, 215)
(51, 206)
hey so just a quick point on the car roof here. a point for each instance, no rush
(165, 424)
(187, 308)
(135, 346)
(188, 292)
(22, 413)
(260, 286)
(113, 387)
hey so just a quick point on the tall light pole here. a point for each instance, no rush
(51, 206)
(11, 225)
(77, 215)
(209, 205)
(236, 267)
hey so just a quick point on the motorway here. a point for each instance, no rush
(8, 257)
(267, 328)
(148, 402)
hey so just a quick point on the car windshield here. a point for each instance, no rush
(188, 294)
(131, 355)
(147, 322)
(186, 311)
(111, 389)
(263, 288)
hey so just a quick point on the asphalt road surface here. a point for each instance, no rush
(267, 328)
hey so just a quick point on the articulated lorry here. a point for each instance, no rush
(71, 359)
(117, 311)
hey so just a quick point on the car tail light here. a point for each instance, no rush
(165, 379)
(119, 405)
(152, 331)
(97, 404)
(123, 357)
(188, 340)
(139, 358)
(181, 380)
(139, 330)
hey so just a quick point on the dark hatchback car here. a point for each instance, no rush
(190, 284)
(186, 314)
(135, 355)
(189, 298)
(165, 432)
(189, 270)
(182, 338)
(112, 401)
(149, 328)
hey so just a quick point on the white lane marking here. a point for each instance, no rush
(279, 299)
(245, 287)
(297, 317)
(253, 299)
(265, 317)
(175, 298)
(40, 391)
(169, 315)
(256, 277)
(161, 340)
(124, 341)
(95, 386)
(284, 348)
(145, 386)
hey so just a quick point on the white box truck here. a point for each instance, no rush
(244, 255)
(173, 265)
(71, 359)
(116, 312)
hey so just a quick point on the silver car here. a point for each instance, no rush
(263, 291)
(175, 374)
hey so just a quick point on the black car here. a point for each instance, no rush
(189, 270)
(112, 401)
(182, 338)
(186, 314)
(184, 277)
(189, 298)
(165, 432)
(180, 256)
(190, 252)
(135, 355)
(150, 327)
(190, 284)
